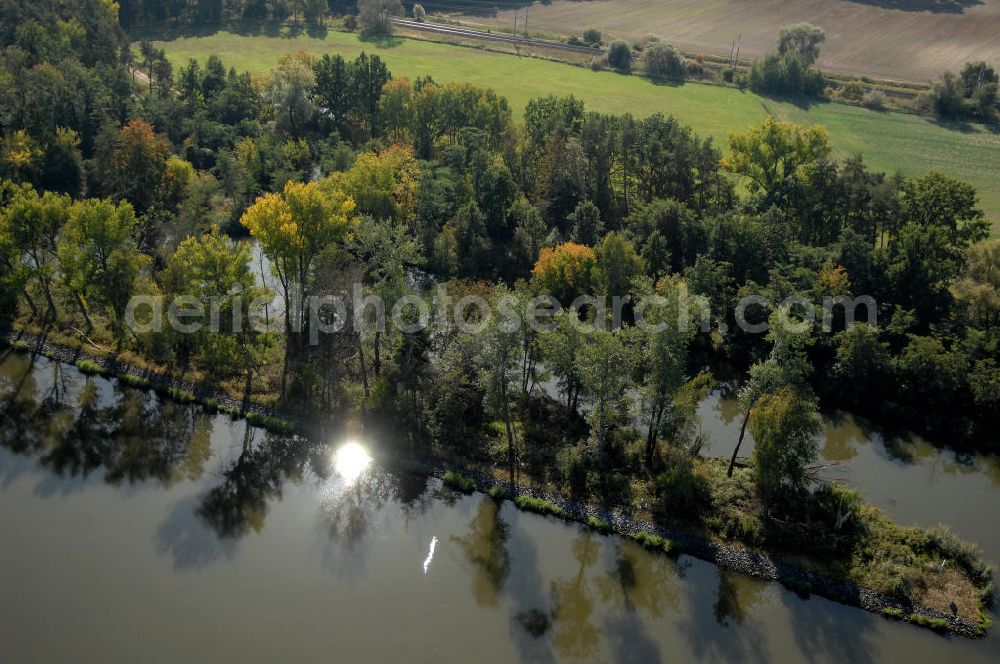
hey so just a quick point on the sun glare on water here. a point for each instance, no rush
(350, 461)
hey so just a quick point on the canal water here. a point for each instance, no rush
(139, 530)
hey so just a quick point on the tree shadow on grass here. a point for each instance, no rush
(274, 29)
(801, 102)
(667, 82)
(381, 41)
(966, 127)
(933, 6)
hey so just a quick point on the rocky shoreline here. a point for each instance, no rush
(69, 355)
(738, 559)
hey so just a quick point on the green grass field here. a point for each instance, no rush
(889, 141)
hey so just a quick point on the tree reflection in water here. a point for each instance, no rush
(238, 505)
(573, 632)
(642, 581)
(485, 548)
(80, 425)
(736, 597)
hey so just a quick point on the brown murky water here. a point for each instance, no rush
(134, 530)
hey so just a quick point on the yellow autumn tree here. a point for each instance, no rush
(775, 152)
(293, 227)
(564, 271)
(384, 183)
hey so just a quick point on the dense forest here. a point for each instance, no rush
(125, 177)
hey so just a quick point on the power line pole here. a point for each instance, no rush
(516, 48)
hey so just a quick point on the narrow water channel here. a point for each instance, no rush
(134, 529)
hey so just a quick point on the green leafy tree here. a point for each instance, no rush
(862, 363)
(620, 56)
(776, 155)
(216, 272)
(100, 259)
(33, 223)
(289, 89)
(604, 360)
(802, 39)
(667, 330)
(13, 272)
(661, 61)
(786, 430)
(292, 228)
(560, 349)
(375, 16)
(385, 250)
(63, 163)
(502, 343)
(616, 267)
(785, 367)
(977, 287)
(530, 231)
(588, 227)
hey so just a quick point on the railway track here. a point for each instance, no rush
(521, 40)
(470, 33)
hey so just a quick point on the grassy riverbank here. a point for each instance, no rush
(889, 141)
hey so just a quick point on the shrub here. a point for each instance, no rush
(134, 381)
(663, 61)
(874, 100)
(600, 525)
(495, 429)
(180, 395)
(800, 587)
(654, 542)
(459, 482)
(936, 624)
(853, 90)
(90, 368)
(351, 22)
(787, 74)
(971, 95)
(620, 56)
(572, 463)
(498, 494)
(694, 69)
(682, 493)
(540, 506)
(419, 13)
(270, 422)
(892, 612)
(946, 98)
(592, 36)
(20, 345)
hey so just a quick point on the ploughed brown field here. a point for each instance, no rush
(907, 40)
